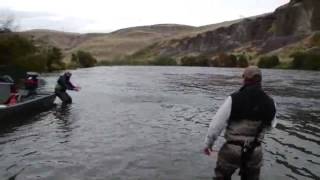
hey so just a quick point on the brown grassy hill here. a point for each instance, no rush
(120, 43)
(63, 40)
(286, 27)
(127, 41)
(108, 46)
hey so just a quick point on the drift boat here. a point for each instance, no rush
(33, 104)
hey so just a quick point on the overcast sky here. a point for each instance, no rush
(109, 15)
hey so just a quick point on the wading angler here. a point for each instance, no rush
(245, 115)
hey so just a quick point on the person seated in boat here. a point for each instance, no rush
(64, 84)
(31, 83)
(6, 79)
(14, 96)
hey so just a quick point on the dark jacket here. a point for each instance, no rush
(251, 109)
(64, 84)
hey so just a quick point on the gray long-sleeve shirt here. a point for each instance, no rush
(220, 120)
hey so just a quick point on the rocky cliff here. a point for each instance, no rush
(289, 24)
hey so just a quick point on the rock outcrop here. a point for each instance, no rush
(288, 24)
(297, 17)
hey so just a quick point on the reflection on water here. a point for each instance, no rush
(150, 122)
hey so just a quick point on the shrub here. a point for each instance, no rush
(20, 52)
(242, 61)
(225, 60)
(305, 60)
(54, 59)
(122, 62)
(163, 61)
(231, 61)
(15, 72)
(86, 59)
(195, 61)
(32, 62)
(268, 61)
(13, 47)
(315, 39)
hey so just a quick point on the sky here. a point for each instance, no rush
(85, 16)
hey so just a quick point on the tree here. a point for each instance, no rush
(74, 58)
(13, 46)
(231, 61)
(86, 59)
(32, 62)
(164, 61)
(242, 61)
(305, 60)
(200, 60)
(268, 61)
(7, 23)
(54, 59)
(225, 60)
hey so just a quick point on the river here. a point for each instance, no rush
(139, 123)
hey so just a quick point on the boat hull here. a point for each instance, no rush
(38, 104)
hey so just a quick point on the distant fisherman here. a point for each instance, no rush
(64, 84)
(245, 115)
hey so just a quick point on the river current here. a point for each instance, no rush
(140, 123)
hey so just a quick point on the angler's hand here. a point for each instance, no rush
(77, 88)
(207, 151)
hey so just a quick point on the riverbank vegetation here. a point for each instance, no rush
(22, 53)
(300, 60)
(306, 60)
(268, 61)
(82, 59)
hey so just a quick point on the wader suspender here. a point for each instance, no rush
(246, 152)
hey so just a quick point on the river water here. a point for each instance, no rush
(139, 123)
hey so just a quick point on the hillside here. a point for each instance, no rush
(120, 43)
(288, 28)
(292, 27)
(108, 46)
(124, 42)
(64, 40)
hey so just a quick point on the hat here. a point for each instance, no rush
(68, 73)
(250, 72)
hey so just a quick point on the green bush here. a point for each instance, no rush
(225, 60)
(163, 61)
(86, 59)
(20, 52)
(231, 61)
(32, 62)
(54, 59)
(315, 39)
(13, 47)
(268, 61)
(304, 60)
(122, 62)
(242, 61)
(195, 61)
(15, 72)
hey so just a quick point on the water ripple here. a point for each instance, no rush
(150, 122)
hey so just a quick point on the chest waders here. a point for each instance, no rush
(247, 149)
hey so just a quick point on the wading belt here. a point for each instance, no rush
(247, 149)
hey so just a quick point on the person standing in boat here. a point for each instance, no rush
(245, 115)
(64, 84)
